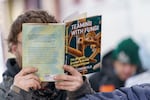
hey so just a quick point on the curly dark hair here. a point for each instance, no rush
(31, 16)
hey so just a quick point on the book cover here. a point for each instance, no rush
(83, 44)
(49, 46)
(44, 48)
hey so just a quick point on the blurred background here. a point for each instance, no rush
(120, 19)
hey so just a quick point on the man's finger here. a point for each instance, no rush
(64, 77)
(71, 70)
(34, 84)
(32, 76)
(65, 83)
(27, 70)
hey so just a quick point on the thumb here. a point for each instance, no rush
(71, 70)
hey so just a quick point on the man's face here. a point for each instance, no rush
(17, 50)
(124, 70)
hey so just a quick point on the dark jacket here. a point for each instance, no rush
(107, 75)
(49, 93)
(141, 92)
(101, 80)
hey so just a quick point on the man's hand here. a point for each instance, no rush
(26, 79)
(69, 82)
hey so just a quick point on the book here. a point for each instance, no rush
(83, 44)
(43, 47)
(49, 46)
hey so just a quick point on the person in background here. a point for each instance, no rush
(144, 44)
(22, 84)
(117, 66)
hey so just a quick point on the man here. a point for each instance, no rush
(117, 66)
(21, 83)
